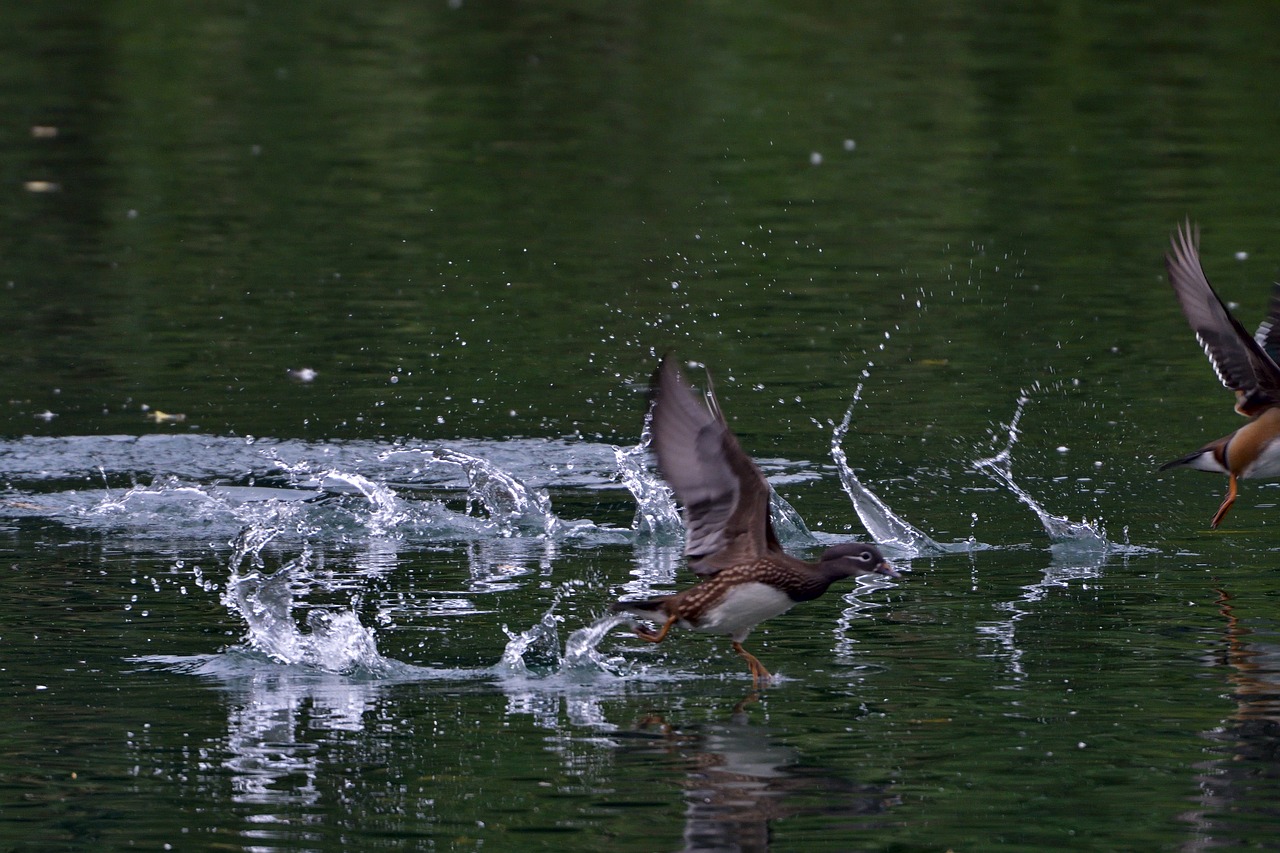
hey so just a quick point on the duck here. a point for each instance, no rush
(730, 544)
(1244, 363)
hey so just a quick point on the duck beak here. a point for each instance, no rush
(887, 570)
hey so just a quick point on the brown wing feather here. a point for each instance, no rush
(724, 494)
(1237, 358)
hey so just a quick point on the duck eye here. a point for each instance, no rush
(864, 556)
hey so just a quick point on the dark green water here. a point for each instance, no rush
(479, 224)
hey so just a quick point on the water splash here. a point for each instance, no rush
(581, 652)
(1071, 534)
(884, 525)
(387, 511)
(334, 639)
(656, 513)
(510, 505)
(537, 646)
(537, 649)
(788, 526)
(577, 680)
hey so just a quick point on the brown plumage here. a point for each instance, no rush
(1247, 365)
(730, 541)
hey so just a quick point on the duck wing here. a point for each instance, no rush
(724, 495)
(1268, 334)
(1240, 361)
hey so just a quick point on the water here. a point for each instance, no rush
(397, 277)
(882, 523)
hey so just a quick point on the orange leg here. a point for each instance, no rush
(758, 672)
(661, 633)
(1227, 502)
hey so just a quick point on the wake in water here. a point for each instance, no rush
(454, 497)
(493, 506)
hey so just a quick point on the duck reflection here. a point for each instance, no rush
(1237, 789)
(739, 780)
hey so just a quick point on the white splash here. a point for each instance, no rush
(387, 511)
(510, 505)
(1060, 529)
(537, 646)
(333, 641)
(581, 652)
(787, 522)
(656, 513)
(537, 649)
(885, 526)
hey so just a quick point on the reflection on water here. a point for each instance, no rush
(738, 780)
(289, 730)
(1065, 565)
(272, 718)
(278, 719)
(849, 650)
(1078, 551)
(1238, 792)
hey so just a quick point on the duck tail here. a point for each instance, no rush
(1204, 459)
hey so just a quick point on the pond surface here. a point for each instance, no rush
(326, 340)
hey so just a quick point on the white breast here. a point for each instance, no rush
(742, 607)
(1267, 465)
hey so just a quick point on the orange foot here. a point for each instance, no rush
(1226, 503)
(658, 636)
(758, 672)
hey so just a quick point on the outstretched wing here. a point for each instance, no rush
(724, 495)
(1268, 334)
(1239, 360)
